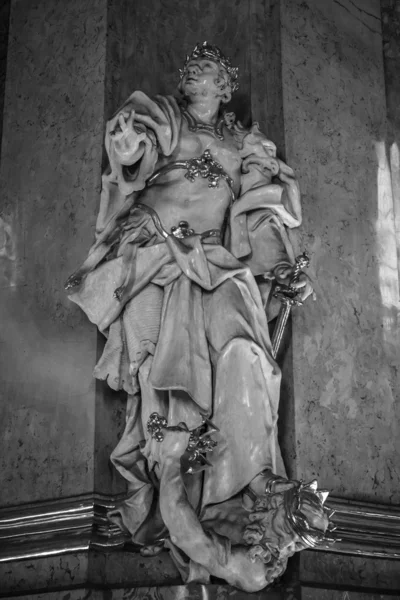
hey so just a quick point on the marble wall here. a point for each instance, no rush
(50, 180)
(391, 57)
(4, 23)
(345, 345)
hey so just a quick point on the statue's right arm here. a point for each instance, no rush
(185, 528)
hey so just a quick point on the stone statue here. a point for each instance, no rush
(190, 241)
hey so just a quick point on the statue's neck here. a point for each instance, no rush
(204, 112)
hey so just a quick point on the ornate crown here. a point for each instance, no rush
(316, 498)
(206, 50)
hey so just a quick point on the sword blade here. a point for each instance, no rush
(280, 327)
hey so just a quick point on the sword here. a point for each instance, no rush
(287, 294)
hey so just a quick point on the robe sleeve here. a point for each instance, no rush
(259, 219)
(160, 118)
(264, 210)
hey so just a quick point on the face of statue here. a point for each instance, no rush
(205, 78)
(288, 542)
(270, 533)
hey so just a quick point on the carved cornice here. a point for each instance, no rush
(80, 523)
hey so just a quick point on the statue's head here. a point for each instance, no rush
(207, 72)
(287, 522)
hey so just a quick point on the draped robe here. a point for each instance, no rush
(188, 335)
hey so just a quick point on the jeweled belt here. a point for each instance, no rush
(180, 231)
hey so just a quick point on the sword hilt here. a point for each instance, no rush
(287, 294)
(302, 262)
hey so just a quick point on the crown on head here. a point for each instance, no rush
(206, 50)
(294, 498)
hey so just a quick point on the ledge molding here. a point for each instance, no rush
(366, 528)
(80, 523)
(59, 526)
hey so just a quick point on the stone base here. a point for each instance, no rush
(123, 575)
(175, 592)
(346, 572)
(115, 575)
(319, 594)
(68, 549)
(202, 592)
(86, 570)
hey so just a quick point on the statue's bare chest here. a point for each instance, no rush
(193, 144)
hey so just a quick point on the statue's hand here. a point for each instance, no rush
(127, 137)
(175, 442)
(284, 275)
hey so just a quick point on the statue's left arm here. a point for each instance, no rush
(269, 204)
